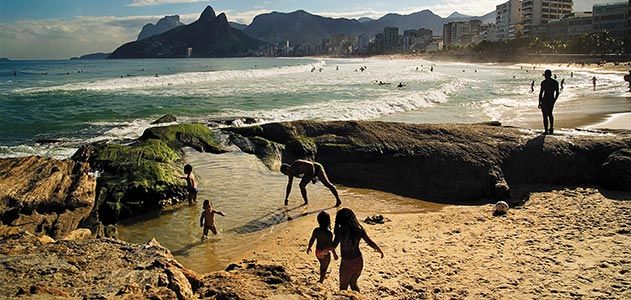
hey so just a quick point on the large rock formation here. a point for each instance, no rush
(145, 175)
(209, 36)
(453, 163)
(45, 196)
(108, 269)
(163, 25)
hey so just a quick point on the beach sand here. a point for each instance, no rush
(561, 244)
(615, 121)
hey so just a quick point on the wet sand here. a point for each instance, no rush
(562, 244)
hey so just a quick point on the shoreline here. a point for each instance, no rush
(463, 251)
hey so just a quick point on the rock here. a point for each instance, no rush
(78, 234)
(444, 163)
(96, 268)
(44, 195)
(135, 178)
(616, 171)
(46, 239)
(165, 119)
(197, 136)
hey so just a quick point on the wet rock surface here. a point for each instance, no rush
(447, 163)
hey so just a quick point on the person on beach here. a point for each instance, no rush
(191, 184)
(310, 171)
(348, 234)
(207, 220)
(571, 74)
(594, 82)
(431, 69)
(532, 87)
(562, 83)
(547, 97)
(324, 238)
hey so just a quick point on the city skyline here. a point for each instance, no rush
(60, 29)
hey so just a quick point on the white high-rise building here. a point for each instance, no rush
(538, 12)
(509, 16)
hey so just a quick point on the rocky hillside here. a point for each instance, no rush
(209, 36)
(163, 25)
(453, 163)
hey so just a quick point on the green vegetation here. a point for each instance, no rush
(598, 43)
(144, 175)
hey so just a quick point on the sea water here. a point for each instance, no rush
(72, 102)
(52, 107)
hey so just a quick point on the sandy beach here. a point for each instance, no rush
(561, 244)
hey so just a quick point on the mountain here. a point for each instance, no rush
(163, 25)
(238, 26)
(99, 55)
(301, 27)
(457, 15)
(209, 36)
(426, 19)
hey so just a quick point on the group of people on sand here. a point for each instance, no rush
(347, 232)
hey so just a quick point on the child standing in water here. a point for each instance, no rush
(207, 220)
(191, 184)
(324, 236)
(348, 234)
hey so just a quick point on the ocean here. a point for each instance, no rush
(50, 108)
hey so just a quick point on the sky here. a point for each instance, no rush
(60, 29)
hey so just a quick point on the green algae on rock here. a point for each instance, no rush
(145, 175)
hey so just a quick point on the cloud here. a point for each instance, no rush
(138, 3)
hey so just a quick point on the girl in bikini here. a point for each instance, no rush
(324, 236)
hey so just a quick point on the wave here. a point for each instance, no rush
(149, 82)
(54, 151)
(396, 102)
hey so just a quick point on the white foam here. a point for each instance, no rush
(149, 82)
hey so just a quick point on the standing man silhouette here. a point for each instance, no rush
(547, 97)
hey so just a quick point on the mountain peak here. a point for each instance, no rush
(457, 15)
(208, 14)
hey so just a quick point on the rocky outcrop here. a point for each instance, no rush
(617, 170)
(165, 119)
(102, 268)
(107, 269)
(163, 25)
(451, 163)
(44, 195)
(145, 175)
(209, 36)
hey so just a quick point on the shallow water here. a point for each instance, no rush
(252, 197)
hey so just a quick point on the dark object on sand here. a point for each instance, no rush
(376, 219)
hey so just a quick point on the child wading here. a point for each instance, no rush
(207, 220)
(348, 234)
(191, 184)
(324, 236)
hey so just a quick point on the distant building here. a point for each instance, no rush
(507, 20)
(460, 33)
(611, 17)
(390, 38)
(566, 28)
(363, 42)
(538, 12)
(416, 39)
(435, 45)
